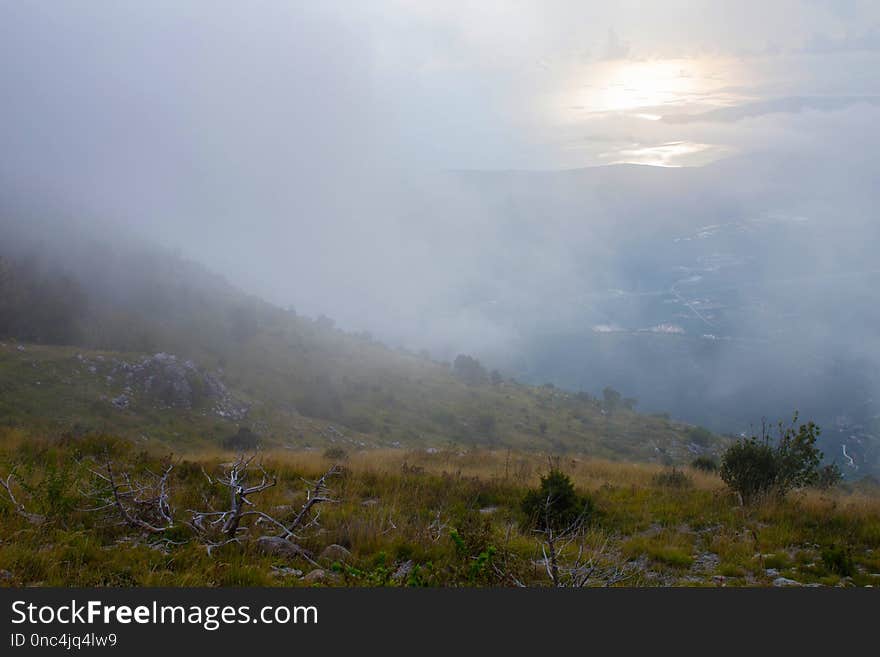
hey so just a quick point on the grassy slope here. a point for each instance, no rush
(396, 507)
(386, 398)
(299, 376)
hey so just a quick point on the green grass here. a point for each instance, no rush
(452, 517)
(380, 398)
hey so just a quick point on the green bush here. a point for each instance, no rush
(829, 476)
(672, 479)
(838, 560)
(555, 504)
(754, 467)
(243, 440)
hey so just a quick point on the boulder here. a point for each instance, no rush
(403, 571)
(335, 552)
(784, 581)
(280, 547)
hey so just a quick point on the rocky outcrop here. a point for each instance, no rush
(166, 381)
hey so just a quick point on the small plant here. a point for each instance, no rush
(420, 576)
(672, 479)
(829, 476)
(838, 560)
(244, 440)
(481, 565)
(555, 504)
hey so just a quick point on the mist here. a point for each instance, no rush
(677, 200)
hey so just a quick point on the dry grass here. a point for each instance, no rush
(401, 506)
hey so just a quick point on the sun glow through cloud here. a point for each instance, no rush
(621, 105)
(625, 86)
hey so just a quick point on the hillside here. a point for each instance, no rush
(123, 338)
(154, 387)
(312, 389)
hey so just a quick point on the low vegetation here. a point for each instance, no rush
(184, 433)
(759, 467)
(449, 517)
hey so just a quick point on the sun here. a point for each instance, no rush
(626, 86)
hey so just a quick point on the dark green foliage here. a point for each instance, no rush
(471, 538)
(242, 441)
(673, 479)
(755, 467)
(798, 455)
(610, 399)
(39, 305)
(749, 467)
(829, 476)
(555, 504)
(469, 370)
(838, 560)
(705, 463)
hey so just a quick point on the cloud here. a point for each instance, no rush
(614, 48)
(791, 104)
(823, 44)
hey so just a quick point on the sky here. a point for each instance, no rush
(406, 166)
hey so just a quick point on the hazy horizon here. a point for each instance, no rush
(439, 174)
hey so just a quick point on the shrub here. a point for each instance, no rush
(672, 479)
(749, 468)
(829, 476)
(610, 399)
(754, 467)
(244, 440)
(335, 453)
(555, 504)
(705, 463)
(838, 560)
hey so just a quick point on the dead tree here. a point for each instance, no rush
(219, 527)
(589, 566)
(228, 523)
(33, 518)
(144, 505)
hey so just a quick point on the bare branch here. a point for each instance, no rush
(33, 518)
(141, 505)
(315, 496)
